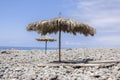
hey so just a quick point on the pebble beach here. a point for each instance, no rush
(24, 64)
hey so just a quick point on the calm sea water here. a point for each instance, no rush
(24, 48)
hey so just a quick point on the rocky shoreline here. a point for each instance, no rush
(23, 64)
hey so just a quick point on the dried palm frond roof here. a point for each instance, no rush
(65, 24)
(45, 38)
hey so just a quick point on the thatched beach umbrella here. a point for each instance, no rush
(45, 38)
(61, 24)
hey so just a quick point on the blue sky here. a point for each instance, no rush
(103, 15)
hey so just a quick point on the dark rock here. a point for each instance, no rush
(68, 72)
(54, 78)
(41, 78)
(2, 71)
(76, 67)
(96, 76)
(5, 52)
(11, 58)
(1, 75)
(32, 79)
(16, 55)
(6, 67)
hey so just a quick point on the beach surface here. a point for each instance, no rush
(77, 64)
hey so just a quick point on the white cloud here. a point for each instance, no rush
(99, 13)
(104, 15)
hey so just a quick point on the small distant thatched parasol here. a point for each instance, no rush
(61, 24)
(45, 38)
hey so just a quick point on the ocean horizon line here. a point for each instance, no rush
(25, 48)
(42, 48)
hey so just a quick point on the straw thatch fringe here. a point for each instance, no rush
(66, 25)
(45, 38)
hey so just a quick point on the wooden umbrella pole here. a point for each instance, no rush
(45, 46)
(60, 44)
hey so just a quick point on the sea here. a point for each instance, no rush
(25, 48)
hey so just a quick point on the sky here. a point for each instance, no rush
(103, 15)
